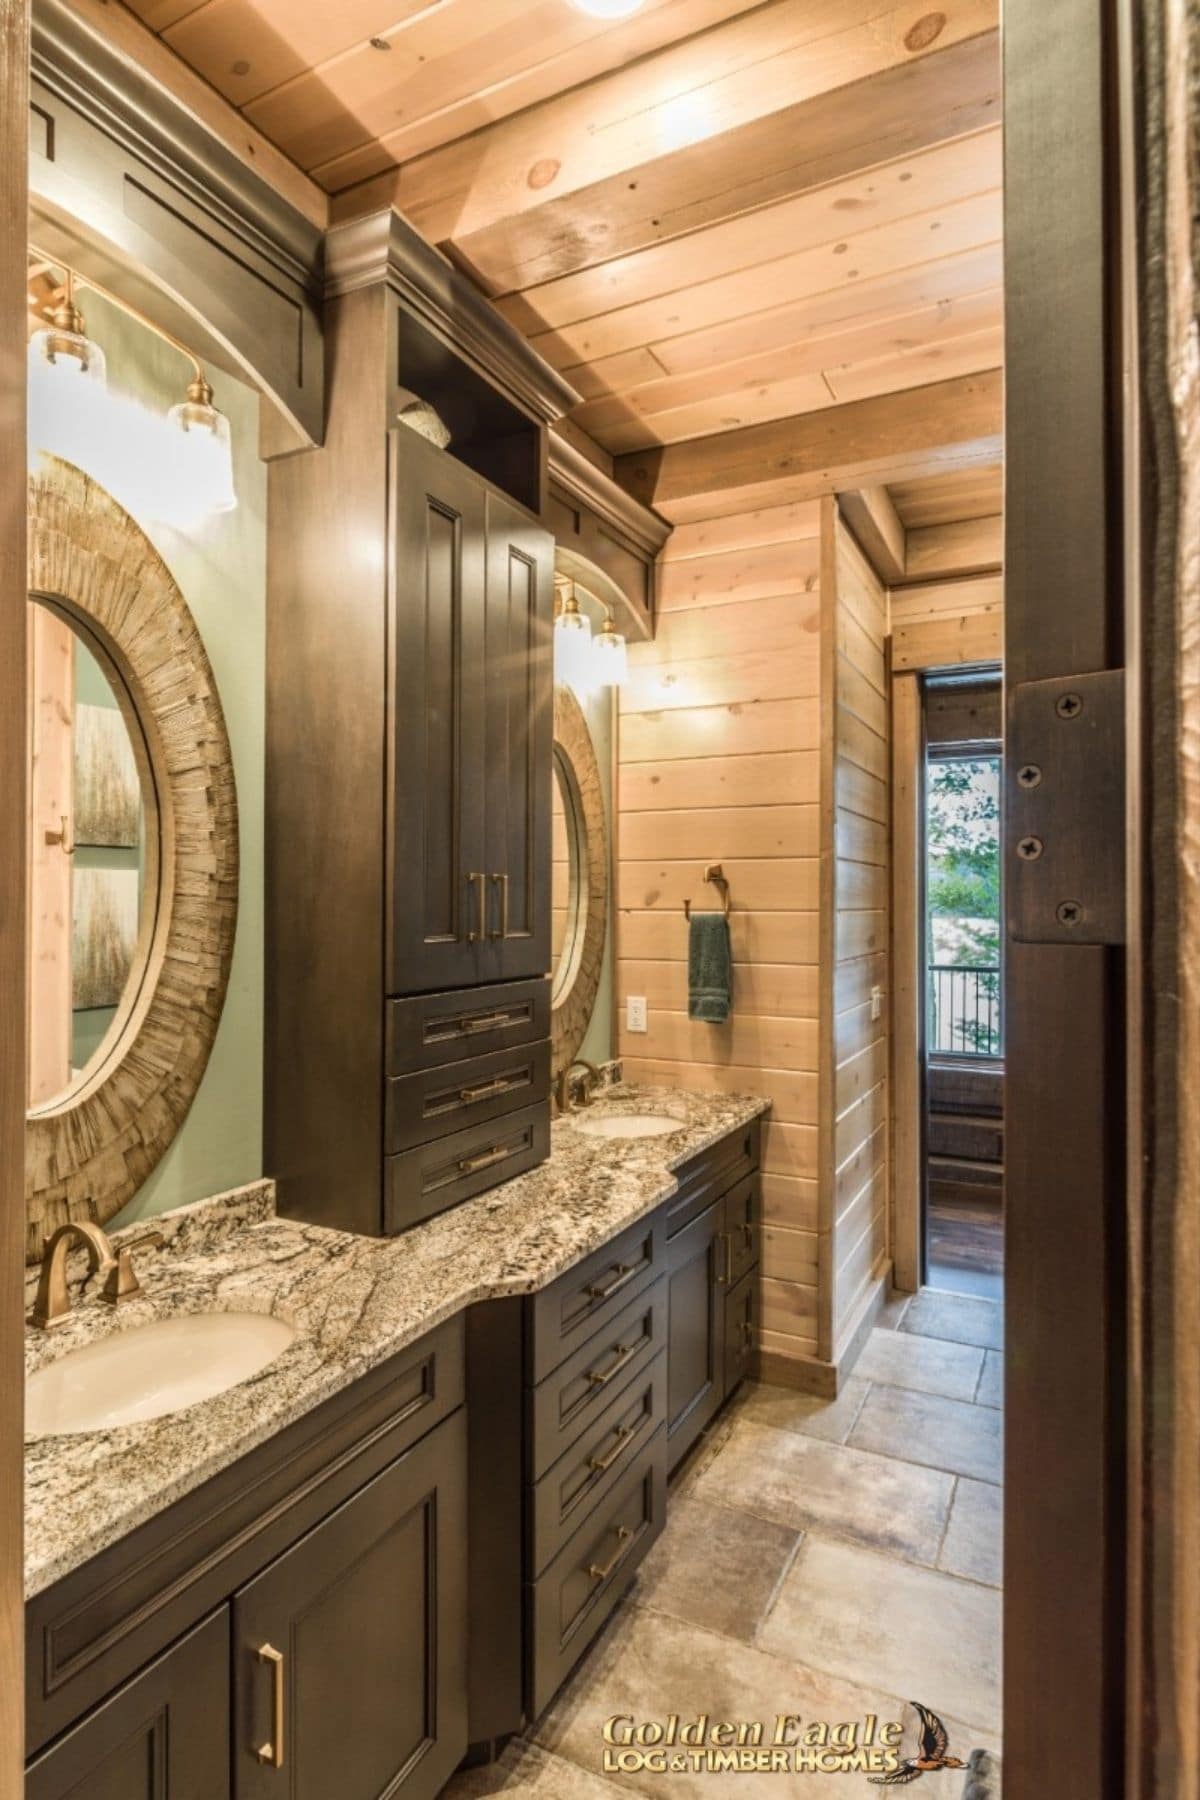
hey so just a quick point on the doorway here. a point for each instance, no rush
(963, 977)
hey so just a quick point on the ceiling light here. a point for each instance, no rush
(206, 456)
(607, 9)
(609, 660)
(572, 644)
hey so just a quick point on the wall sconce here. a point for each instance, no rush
(200, 459)
(609, 658)
(573, 665)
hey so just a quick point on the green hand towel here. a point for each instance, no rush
(710, 968)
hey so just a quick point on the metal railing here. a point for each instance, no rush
(965, 1010)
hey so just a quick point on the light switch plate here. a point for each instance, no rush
(635, 1012)
(877, 1003)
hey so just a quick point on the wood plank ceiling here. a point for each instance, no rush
(773, 228)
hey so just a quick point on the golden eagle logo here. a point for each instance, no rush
(933, 1752)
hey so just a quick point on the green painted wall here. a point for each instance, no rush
(221, 570)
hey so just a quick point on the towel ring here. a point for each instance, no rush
(714, 873)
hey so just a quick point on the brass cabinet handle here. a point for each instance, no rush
(502, 883)
(601, 1378)
(272, 1751)
(601, 1463)
(487, 1088)
(484, 1021)
(602, 1571)
(469, 1164)
(723, 1242)
(747, 1334)
(473, 937)
(624, 1271)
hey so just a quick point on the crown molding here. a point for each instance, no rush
(384, 247)
(583, 484)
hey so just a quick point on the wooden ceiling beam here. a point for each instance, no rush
(872, 518)
(966, 547)
(893, 437)
(776, 101)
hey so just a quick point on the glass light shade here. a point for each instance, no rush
(61, 356)
(607, 9)
(609, 659)
(573, 648)
(68, 393)
(204, 451)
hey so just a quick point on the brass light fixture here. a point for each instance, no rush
(60, 352)
(609, 658)
(572, 640)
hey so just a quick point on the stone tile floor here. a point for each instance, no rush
(828, 1558)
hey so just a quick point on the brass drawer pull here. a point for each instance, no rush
(624, 1271)
(484, 1021)
(474, 937)
(602, 1571)
(602, 1377)
(601, 1463)
(502, 883)
(486, 1089)
(724, 1244)
(272, 1751)
(747, 1334)
(469, 1165)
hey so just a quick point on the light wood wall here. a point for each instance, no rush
(719, 761)
(855, 936)
(938, 624)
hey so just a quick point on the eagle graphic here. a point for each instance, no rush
(933, 1752)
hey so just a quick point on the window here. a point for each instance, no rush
(962, 954)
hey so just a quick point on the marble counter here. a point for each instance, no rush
(354, 1302)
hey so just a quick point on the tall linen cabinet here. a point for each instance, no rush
(409, 742)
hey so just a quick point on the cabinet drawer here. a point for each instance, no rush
(587, 1296)
(592, 1572)
(570, 1399)
(433, 1102)
(431, 1177)
(741, 1228)
(710, 1174)
(595, 1464)
(432, 1029)
(741, 1316)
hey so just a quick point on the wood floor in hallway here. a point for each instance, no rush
(827, 1558)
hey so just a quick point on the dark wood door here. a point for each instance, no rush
(695, 1332)
(163, 1736)
(438, 894)
(520, 735)
(350, 1650)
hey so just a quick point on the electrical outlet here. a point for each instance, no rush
(877, 1003)
(635, 1012)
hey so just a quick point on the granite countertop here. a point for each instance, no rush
(354, 1302)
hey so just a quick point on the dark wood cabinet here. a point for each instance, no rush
(350, 1650)
(163, 1736)
(695, 1335)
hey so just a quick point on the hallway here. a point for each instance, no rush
(830, 1559)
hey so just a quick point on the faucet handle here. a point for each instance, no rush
(121, 1282)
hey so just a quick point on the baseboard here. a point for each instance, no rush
(863, 1323)
(807, 1374)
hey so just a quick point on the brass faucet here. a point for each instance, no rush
(562, 1087)
(53, 1302)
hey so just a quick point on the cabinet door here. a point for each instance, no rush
(438, 890)
(350, 1650)
(695, 1332)
(740, 1317)
(520, 739)
(163, 1736)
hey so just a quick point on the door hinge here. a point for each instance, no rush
(1065, 798)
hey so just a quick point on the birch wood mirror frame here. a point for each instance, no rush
(89, 1149)
(574, 996)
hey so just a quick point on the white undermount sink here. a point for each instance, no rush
(626, 1125)
(151, 1370)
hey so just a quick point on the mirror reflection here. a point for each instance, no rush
(569, 859)
(92, 870)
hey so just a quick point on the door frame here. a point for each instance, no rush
(14, 200)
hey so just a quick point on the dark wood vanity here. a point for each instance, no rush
(414, 1567)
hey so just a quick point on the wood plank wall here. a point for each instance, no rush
(719, 761)
(855, 922)
(938, 624)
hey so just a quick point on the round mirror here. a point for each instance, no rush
(570, 857)
(580, 880)
(93, 854)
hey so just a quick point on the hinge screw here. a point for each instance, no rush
(1069, 913)
(1030, 848)
(1068, 706)
(1029, 776)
